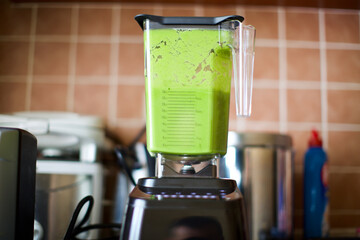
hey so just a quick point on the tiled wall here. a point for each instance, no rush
(88, 58)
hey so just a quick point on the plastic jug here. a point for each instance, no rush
(189, 64)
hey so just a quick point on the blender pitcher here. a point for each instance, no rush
(189, 64)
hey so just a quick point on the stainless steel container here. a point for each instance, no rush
(263, 166)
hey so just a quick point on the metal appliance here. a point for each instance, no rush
(17, 184)
(189, 63)
(67, 167)
(263, 166)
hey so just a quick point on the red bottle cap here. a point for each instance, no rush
(315, 140)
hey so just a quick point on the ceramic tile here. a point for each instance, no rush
(131, 94)
(302, 26)
(303, 64)
(14, 21)
(266, 64)
(214, 11)
(344, 148)
(344, 193)
(93, 59)
(265, 105)
(343, 65)
(53, 21)
(232, 126)
(298, 224)
(51, 58)
(343, 106)
(345, 221)
(12, 97)
(298, 191)
(265, 22)
(303, 105)
(91, 99)
(50, 79)
(342, 27)
(48, 97)
(178, 10)
(300, 144)
(14, 58)
(250, 125)
(127, 134)
(131, 59)
(94, 21)
(128, 26)
(232, 107)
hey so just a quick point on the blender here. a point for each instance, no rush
(189, 65)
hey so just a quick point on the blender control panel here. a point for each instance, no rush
(187, 188)
(192, 195)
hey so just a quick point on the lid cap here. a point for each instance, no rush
(315, 140)
(186, 20)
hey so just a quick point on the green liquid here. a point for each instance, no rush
(188, 80)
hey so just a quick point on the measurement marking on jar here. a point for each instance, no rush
(182, 117)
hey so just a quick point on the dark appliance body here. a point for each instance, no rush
(18, 151)
(185, 208)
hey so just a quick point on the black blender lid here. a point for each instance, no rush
(186, 20)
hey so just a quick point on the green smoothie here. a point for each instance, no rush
(188, 81)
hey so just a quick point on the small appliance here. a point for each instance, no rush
(263, 166)
(67, 167)
(17, 183)
(189, 64)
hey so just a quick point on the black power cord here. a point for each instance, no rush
(73, 230)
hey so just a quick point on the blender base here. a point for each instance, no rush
(185, 208)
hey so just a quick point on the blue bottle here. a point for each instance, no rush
(316, 206)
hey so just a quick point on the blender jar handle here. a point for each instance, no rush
(243, 68)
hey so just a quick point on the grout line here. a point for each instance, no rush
(158, 9)
(303, 126)
(323, 79)
(282, 70)
(131, 80)
(343, 86)
(267, 42)
(72, 58)
(50, 79)
(240, 10)
(340, 11)
(342, 46)
(199, 10)
(344, 169)
(343, 232)
(259, 125)
(19, 79)
(302, 44)
(259, 83)
(334, 127)
(270, 9)
(343, 127)
(303, 84)
(261, 42)
(129, 122)
(333, 169)
(114, 62)
(31, 55)
(19, 38)
(97, 80)
(265, 84)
